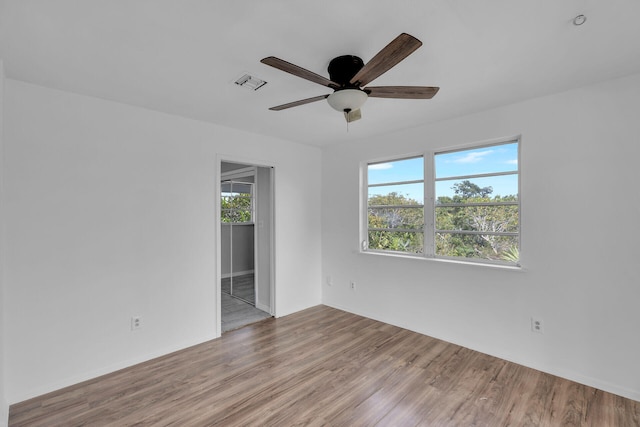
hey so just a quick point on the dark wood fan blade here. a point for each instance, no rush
(298, 71)
(401, 47)
(301, 102)
(402, 92)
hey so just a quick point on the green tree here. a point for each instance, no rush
(395, 211)
(467, 189)
(472, 209)
(235, 209)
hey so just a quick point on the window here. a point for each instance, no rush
(395, 205)
(237, 202)
(472, 208)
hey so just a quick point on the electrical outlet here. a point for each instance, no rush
(136, 322)
(352, 284)
(329, 281)
(537, 325)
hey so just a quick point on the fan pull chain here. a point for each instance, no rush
(346, 117)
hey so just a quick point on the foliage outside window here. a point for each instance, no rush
(236, 202)
(395, 205)
(472, 210)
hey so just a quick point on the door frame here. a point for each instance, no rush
(220, 158)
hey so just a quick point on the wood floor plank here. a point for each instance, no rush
(324, 366)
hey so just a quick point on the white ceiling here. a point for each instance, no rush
(181, 57)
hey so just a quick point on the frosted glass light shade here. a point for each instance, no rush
(347, 99)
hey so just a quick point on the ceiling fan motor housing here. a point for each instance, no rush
(343, 68)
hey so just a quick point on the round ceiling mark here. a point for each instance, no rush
(579, 20)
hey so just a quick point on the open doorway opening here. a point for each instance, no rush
(246, 244)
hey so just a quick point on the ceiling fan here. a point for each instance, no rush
(349, 77)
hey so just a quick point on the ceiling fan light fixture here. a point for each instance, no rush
(347, 99)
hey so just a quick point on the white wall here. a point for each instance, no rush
(4, 407)
(110, 213)
(580, 239)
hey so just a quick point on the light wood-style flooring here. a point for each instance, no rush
(324, 366)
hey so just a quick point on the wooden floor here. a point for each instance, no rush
(323, 366)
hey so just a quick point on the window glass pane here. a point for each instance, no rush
(497, 158)
(495, 219)
(236, 188)
(239, 202)
(498, 248)
(412, 218)
(492, 188)
(226, 216)
(396, 171)
(242, 215)
(236, 202)
(405, 194)
(241, 188)
(396, 241)
(243, 195)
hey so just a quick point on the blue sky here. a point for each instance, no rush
(497, 158)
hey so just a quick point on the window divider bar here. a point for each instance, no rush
(479, 233)
(394, 206)
(480, 175)
(461, 205)
(429, 236)
(385, 184)
(399, 230)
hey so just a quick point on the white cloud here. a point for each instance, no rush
(474, 157)
(381, 166)
(512, 162)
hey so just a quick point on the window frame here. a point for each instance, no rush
(429, 205)
(394, 183)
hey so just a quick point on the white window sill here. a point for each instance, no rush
(443, 260)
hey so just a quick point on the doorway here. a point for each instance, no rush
(246, 244)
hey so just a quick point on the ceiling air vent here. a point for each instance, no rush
(250, 82)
